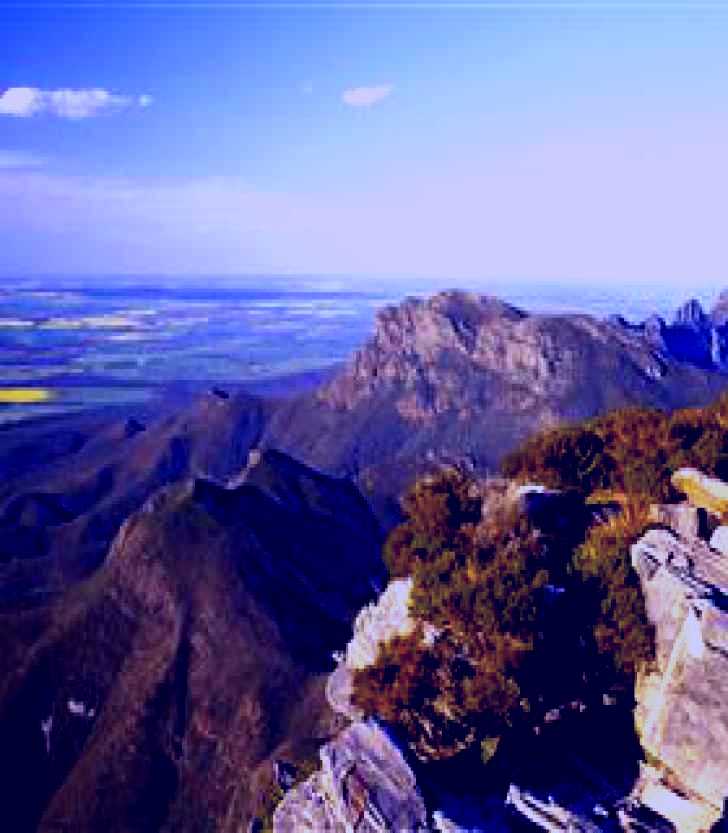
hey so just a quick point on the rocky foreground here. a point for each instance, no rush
(366, 785)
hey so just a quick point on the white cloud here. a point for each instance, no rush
(24, 102)
(18, 160)
(366, 96)
(307, 87)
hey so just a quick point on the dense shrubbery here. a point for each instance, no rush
(505, 644)
(634, 451)
(621, 630)
(477, 583)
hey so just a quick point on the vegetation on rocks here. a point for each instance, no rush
(479, 588)
(513, 618)
(632, 451)
(621, 630)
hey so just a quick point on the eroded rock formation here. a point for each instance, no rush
(364, 786)
(682, 711)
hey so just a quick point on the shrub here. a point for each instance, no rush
(477, 584)
(633, 450)
(619, 622)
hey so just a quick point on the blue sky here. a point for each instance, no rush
(547, 141)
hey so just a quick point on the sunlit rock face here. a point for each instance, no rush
(422, 348)
(465, 378)
(364, 785)
(377, 623)
(682, 711)
(703, 492)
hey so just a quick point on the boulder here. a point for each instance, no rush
(682, 703)
(364, 786)
(686, 520)
(719, 540)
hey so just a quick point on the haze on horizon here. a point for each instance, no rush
(571, 142)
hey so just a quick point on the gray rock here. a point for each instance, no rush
(682, 704)
(682, 518)
(691, 314)
(719, 540)
(364, 786)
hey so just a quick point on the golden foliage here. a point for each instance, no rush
(633, 450)
(485, 579)
(621, 627)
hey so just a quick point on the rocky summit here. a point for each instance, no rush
(682, 714)
(464, 377)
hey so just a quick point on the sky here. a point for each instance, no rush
(576, 142)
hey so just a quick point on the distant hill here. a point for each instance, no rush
(67, 488)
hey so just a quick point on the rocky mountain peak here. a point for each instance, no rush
(449, 318)
(691, 314)
(719, 313)
(456, 352)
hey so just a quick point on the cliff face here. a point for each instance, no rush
(424, 347)
(364, 785)
(682, 712)
(466, 377)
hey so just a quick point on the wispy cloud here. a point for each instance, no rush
(13, 160)
(588, 210)
(24, 102)
(366, 96)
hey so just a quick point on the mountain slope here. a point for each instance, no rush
(59, 513)
(169, 681)
(469, 377)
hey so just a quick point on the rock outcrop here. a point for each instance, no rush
(364, 786)
(375, 624)
(707, 493)
(682, 712)
(465, 378)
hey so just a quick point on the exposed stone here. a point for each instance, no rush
(423, 347)
(702, 491)
(682, 704)
(379, 622)
(364, 786)
(682, 518)
(375, 624)
(719, 540)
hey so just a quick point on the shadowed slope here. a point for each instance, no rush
(57, 519)
(191, 658)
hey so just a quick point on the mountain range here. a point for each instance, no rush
(171, 591)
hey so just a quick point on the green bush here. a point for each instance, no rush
(477, 583)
